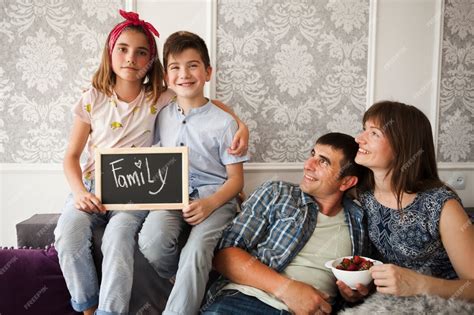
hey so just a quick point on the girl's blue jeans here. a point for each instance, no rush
(73, 241)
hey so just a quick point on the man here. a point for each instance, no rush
(273, 253)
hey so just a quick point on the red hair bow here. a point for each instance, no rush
(132, 18)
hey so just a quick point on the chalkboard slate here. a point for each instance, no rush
(142, 178)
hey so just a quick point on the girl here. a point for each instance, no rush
(119, 111)
(416, 222)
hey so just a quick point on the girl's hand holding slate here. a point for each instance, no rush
(88, 202)
(197, 211)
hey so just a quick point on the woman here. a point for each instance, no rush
(416, 222)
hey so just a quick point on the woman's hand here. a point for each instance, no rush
(395, 280)
(88, 202)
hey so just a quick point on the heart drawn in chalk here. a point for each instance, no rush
(138, 164)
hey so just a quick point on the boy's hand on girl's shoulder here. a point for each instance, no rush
(197, 211)
(88, 202)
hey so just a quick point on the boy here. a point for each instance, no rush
(215, 176)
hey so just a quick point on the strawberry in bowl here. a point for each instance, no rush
(355, 263)
(352, 269)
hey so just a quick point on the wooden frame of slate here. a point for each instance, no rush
(149, 178)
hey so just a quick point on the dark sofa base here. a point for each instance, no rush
(149, 292)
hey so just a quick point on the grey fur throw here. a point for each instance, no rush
(389, 304)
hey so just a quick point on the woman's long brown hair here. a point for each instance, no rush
(408, 131)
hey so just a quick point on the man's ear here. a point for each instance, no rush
(348, 182)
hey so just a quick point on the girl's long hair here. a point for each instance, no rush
(104, 78)
(408, 131)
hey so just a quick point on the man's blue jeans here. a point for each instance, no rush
(232, 302)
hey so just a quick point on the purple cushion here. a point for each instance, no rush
(31, 282)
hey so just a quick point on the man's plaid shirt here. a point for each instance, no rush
(276, 222)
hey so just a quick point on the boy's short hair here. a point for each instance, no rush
(182, 40)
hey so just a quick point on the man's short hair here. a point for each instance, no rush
(349, 148)
(182, 40)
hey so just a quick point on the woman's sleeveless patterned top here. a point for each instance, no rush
(410, 238)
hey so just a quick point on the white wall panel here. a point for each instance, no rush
(407, 53)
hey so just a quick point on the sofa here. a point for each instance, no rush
(31, 280)
(45, 291)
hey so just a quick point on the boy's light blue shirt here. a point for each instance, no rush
(208, 132)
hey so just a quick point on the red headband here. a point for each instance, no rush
(132, 18)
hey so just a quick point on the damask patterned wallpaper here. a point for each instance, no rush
(292, 70)
(456, 123)
(50, 49)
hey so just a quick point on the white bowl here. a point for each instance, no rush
(351, 278)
